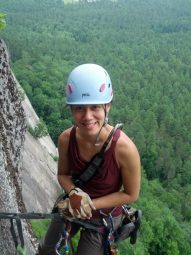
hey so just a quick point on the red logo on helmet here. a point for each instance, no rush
(70, 88)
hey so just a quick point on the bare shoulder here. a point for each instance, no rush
(63, 138)
(125, 144)
(126, 150)
(128, 159)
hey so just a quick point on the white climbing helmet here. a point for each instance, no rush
(88, 84)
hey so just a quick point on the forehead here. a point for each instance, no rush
(86, 105)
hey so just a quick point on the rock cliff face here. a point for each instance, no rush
(27, 169)
(38, 169)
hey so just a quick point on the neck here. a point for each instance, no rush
(94, 140)
(97, 140)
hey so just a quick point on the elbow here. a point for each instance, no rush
(135, 198)
(131, 198)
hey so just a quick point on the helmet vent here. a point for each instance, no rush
(102, 87)
(70, 88)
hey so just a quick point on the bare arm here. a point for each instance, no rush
(64, 178)
(129, 161)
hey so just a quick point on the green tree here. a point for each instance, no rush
(2, 21)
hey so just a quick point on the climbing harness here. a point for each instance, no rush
(129, 227)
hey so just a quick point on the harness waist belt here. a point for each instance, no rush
(114, 213)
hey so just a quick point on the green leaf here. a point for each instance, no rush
(21, 251)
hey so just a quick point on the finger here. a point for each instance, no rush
(87, 200)
(77, 214)
(91, 204)
(62, 205)
(87, 210)
(83, 213)
(71, 211)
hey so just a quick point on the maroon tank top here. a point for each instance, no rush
(109, 178)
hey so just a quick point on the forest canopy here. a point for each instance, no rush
(145, 47)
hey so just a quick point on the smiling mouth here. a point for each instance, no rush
(89, 124)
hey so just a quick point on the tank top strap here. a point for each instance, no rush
(72, 139)
(115, 139)
(116, 135)
(73, 132)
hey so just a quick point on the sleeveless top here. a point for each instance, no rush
(109, 178)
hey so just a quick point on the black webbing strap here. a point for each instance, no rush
(91, 169)
(94, 164)
(16, 224)
(19, 231)
(14, 236)
(33, 215)
(30, 215)
(99, 229)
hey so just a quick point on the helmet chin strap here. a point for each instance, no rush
(98, 135)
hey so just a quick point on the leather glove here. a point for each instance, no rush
(80, 204)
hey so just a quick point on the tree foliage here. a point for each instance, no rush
(39, 130)
(2, 21)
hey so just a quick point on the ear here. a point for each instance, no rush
(108, 107)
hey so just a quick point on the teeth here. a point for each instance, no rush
(87, 124)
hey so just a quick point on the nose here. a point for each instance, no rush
(87, 113)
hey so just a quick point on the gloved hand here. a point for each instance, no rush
(80, 204)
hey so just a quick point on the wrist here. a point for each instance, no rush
(72, 189)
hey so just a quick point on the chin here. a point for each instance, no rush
(91, 129)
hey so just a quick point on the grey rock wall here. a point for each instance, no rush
(39, 183)
(27, 170)
(12, 126)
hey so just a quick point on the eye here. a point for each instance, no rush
(78, 108)
(95, 107)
